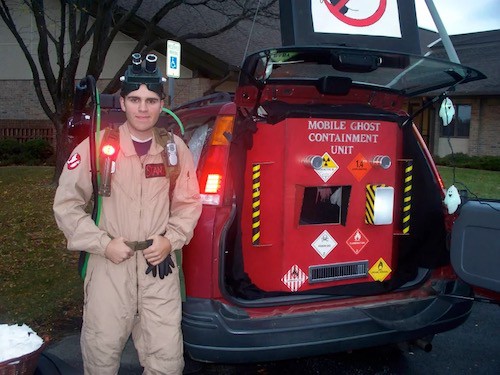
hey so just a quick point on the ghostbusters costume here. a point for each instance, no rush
(121, 299)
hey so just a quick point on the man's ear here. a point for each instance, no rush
(162, 104)
(122, 103)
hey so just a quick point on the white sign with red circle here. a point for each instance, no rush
(358, 17)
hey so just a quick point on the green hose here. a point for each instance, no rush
(179, 122)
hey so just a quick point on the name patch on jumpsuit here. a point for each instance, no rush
(155, 170)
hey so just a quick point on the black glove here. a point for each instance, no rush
(163, 269)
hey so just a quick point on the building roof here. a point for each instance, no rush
(217, 56)
(480, 51)
(224, 52)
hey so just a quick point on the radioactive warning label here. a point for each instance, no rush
(328, 167)
(380, 270)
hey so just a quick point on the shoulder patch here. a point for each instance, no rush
(74, 161)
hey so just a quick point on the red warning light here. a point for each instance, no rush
(108, 150)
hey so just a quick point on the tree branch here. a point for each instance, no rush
(7, 18)
(60, 46)
(43, 48)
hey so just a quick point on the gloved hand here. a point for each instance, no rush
(163, 269)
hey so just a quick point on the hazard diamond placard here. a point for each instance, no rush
(380, 270)
(324, 244)
(328, 168)
(359, 167)
(294, 278)
(357, 241)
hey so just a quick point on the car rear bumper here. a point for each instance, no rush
(220, 333)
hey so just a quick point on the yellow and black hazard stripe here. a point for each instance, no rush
(370, 203)
(407, 186)
(256, 204)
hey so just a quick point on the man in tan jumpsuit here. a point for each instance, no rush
(120, 298)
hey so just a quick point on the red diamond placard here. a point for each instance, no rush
(357, 241)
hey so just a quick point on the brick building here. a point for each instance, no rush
(475, 130)
(21, 114)
(212, 64)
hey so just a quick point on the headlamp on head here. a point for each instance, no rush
(142, 72)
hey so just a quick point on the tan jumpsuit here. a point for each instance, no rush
(120, 299)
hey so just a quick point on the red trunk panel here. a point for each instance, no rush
(292, 235)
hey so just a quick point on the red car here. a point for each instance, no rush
(323, 227)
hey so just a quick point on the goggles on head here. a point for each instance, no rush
(142, 73)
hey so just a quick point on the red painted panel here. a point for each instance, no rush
(348, 146)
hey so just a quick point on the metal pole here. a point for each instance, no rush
(445, 38)
(171, 92)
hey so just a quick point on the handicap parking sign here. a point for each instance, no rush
(173, 62)
(173, 59)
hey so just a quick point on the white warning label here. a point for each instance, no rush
(294, 278)
(328, 168)
(324, 244)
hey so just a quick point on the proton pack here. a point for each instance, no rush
(103, 161)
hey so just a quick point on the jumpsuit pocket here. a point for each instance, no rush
(159, 188)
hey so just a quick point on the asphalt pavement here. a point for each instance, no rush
(472, 348)
(68, 352)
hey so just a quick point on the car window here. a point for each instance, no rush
(197, 141)
(406, 74)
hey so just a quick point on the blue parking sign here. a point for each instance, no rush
(173, 62)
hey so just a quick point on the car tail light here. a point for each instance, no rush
(214, 169)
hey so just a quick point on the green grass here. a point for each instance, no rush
(39, 284)
(479, 183)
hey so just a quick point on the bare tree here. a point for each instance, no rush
(84, 21)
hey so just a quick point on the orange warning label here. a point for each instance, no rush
(359, 167)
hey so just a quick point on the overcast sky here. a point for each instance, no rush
(461, 16)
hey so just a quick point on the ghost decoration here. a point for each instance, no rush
(447, 111)
(452, 199)
(336, 198)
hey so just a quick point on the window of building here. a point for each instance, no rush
(460, 125)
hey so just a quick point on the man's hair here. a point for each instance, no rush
(142, 73)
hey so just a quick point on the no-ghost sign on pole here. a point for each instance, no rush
(389, 25)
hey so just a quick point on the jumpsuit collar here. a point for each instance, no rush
(127, 145)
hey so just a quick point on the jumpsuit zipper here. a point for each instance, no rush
(142, 162)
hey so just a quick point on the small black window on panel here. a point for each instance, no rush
(325, 205)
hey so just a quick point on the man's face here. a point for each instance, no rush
(142, 108)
